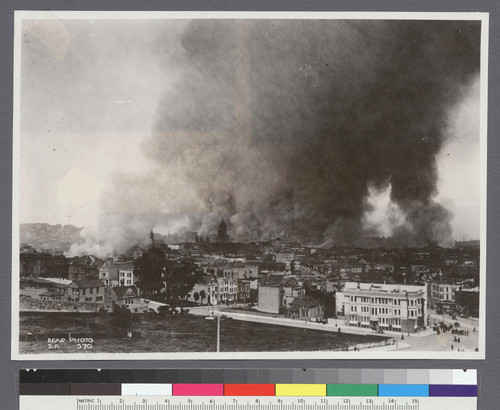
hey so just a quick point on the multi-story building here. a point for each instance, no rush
(107, 274)
(467, 300)
(84, 267)
(291, 288)
(87, 290)
(243, 290)
(43, 264)
(117, 273)
(125, 273)
(399, 308)
(442, 295)
(227, 290)
(275, 295)
(235, 270)
(285, 257)
(269, 297)
(252, 269)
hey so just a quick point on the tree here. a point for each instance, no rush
(156, 273)
(326, 299)
(121, 317)
(203, 295)
(149, 269)
(180, 279)
(196, 296)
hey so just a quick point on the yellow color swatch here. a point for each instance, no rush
(301, 390)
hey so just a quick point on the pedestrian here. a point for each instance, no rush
(458, 340)
(451, 347)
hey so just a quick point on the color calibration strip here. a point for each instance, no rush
(348, 383)
(283, 390)
(214, 390)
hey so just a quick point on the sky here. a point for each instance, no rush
(324, 131)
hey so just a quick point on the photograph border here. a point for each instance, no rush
(364, 354)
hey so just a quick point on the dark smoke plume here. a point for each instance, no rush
(283, 126)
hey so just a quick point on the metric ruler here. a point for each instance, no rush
(244, 403)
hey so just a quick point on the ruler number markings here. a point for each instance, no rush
(228, 403)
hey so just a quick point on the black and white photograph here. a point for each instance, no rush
(249, 185)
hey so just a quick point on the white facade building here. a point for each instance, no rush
(379, 306)
(442, 295)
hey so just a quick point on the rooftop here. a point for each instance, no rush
(52, 293)
(306, 302)
(382, 287)
(120, 291)
(65, 282)
(88, 283)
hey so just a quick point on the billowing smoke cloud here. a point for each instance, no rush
(283, 127)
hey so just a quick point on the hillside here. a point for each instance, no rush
(46, 236)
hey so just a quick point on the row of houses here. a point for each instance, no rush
(90, 291)
(226, 289)
(42, 264)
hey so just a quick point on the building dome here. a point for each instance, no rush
(222, 232)
(222, 225)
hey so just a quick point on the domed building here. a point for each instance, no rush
(222, 235)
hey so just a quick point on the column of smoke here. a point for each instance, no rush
(283, 126)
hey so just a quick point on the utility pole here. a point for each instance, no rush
(218, 333)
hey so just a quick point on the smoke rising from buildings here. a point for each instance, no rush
(285, 127)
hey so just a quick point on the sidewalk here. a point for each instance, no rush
(426, 340)
(333, 325)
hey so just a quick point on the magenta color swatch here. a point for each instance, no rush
(197, 389)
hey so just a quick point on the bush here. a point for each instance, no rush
(165, 311)
(121, 317)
